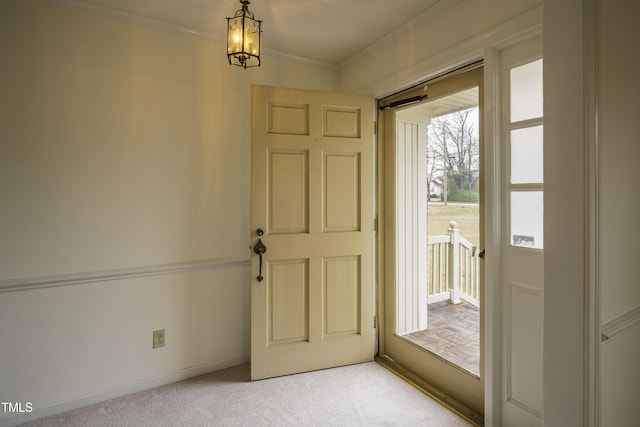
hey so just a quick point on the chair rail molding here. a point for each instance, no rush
(25, 284)
(619, 325)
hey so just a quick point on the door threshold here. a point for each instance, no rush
(433, 392)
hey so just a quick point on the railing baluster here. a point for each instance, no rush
(453, 281)
(454, 270)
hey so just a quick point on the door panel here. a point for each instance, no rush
(525, 339)
(341, 289)
(341, 192)
(288, 290)
(312, 196)
(288, 192)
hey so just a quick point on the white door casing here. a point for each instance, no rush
(312, 191)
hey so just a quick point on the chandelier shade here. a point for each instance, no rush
(243, 38)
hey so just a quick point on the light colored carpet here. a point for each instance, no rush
(366, 394)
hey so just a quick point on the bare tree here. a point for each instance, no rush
(435, 169)
(453, 149)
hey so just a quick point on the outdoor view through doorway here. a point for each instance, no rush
(451, 174)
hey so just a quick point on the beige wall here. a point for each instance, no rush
(125, 147)
(619, 210)
(124, 150)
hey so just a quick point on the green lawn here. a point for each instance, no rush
(439, 216)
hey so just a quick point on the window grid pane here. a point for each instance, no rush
(526, 155)
(526, 91)
(527, 219)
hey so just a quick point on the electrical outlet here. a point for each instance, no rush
(158, 338)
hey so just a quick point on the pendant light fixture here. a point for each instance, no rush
(243, 38)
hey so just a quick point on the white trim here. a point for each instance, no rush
(31, 283)
(309, 61)
(493, 232)
(95, 9)
(621, 324)
(591, 53)
(79, 401)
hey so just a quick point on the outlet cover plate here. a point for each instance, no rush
(158, 338)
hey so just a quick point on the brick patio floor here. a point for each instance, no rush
(453, 333)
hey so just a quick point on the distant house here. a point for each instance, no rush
(436, 187)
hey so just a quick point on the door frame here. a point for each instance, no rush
(469, 388)
(486, 47)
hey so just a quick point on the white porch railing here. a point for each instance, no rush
(453, 268)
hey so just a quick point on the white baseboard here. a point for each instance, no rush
(80, 401)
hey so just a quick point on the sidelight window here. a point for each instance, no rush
(525, 145)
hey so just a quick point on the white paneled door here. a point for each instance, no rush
(312, 270)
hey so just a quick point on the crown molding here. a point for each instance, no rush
(164, 25)
(95, 9)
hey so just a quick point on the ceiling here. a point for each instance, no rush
(329, 31)
(439, 107)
